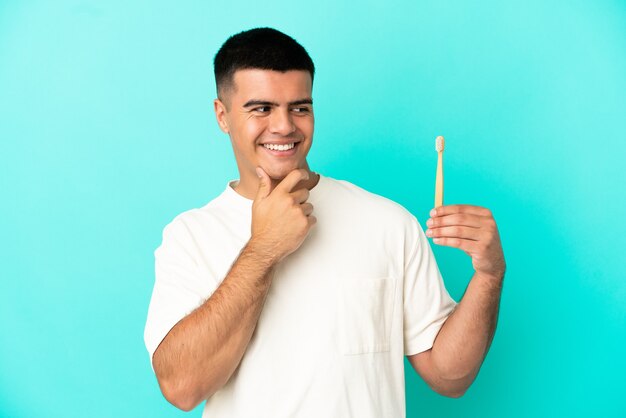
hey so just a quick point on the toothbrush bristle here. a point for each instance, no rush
(439, 143)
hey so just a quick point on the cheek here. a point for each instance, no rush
(306, 127)
(253, 130)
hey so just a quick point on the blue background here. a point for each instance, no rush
(107, 132)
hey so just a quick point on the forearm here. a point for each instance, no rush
(201, 352)
(464, 339)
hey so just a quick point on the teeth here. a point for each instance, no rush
(285, 147)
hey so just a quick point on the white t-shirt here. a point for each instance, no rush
(361, 292)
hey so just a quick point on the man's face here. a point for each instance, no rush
(269, 117)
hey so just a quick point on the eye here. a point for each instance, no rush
(261, 109)
(302, 109)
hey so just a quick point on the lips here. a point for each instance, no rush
(281, 148)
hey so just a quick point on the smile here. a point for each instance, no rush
(283, 147)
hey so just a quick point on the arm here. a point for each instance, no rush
(453, 362)
(201, 352)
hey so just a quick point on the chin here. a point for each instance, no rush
(279, 173)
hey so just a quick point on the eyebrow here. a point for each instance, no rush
(253, 102)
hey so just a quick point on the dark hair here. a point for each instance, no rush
(262, 48)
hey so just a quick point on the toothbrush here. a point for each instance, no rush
(439, 143)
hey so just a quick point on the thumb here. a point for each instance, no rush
(265, 183)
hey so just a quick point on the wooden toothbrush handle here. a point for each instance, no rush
(439, 181)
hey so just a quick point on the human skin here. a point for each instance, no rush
(201, 352)
(282, 113)
(459, 350)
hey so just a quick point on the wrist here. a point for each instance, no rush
(265, 253)
(494, 279)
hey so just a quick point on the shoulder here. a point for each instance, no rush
(215, 212)
(351, 194)
(354, 205)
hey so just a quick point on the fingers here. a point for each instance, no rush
(307, 208)
(473, 230)
(462, 232)
(265, 183)
(469, 246)
(459, 225)
(462, 219)
(292, 179)
(466, 209)
(300, 196)
(286, 185)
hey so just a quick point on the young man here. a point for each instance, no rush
(296, 295)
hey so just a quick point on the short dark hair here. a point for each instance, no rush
(260, 48)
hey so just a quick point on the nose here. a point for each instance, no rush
(281, 122)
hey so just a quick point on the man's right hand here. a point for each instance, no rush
(202, 351)
(281, 218)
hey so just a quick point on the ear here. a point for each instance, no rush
(220, 114)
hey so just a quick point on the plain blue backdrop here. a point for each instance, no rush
(107, 132)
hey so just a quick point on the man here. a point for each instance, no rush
(296, 295)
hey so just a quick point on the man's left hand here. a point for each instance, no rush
(473, 230)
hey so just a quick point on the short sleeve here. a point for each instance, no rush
(178, 287)
(427, 303)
